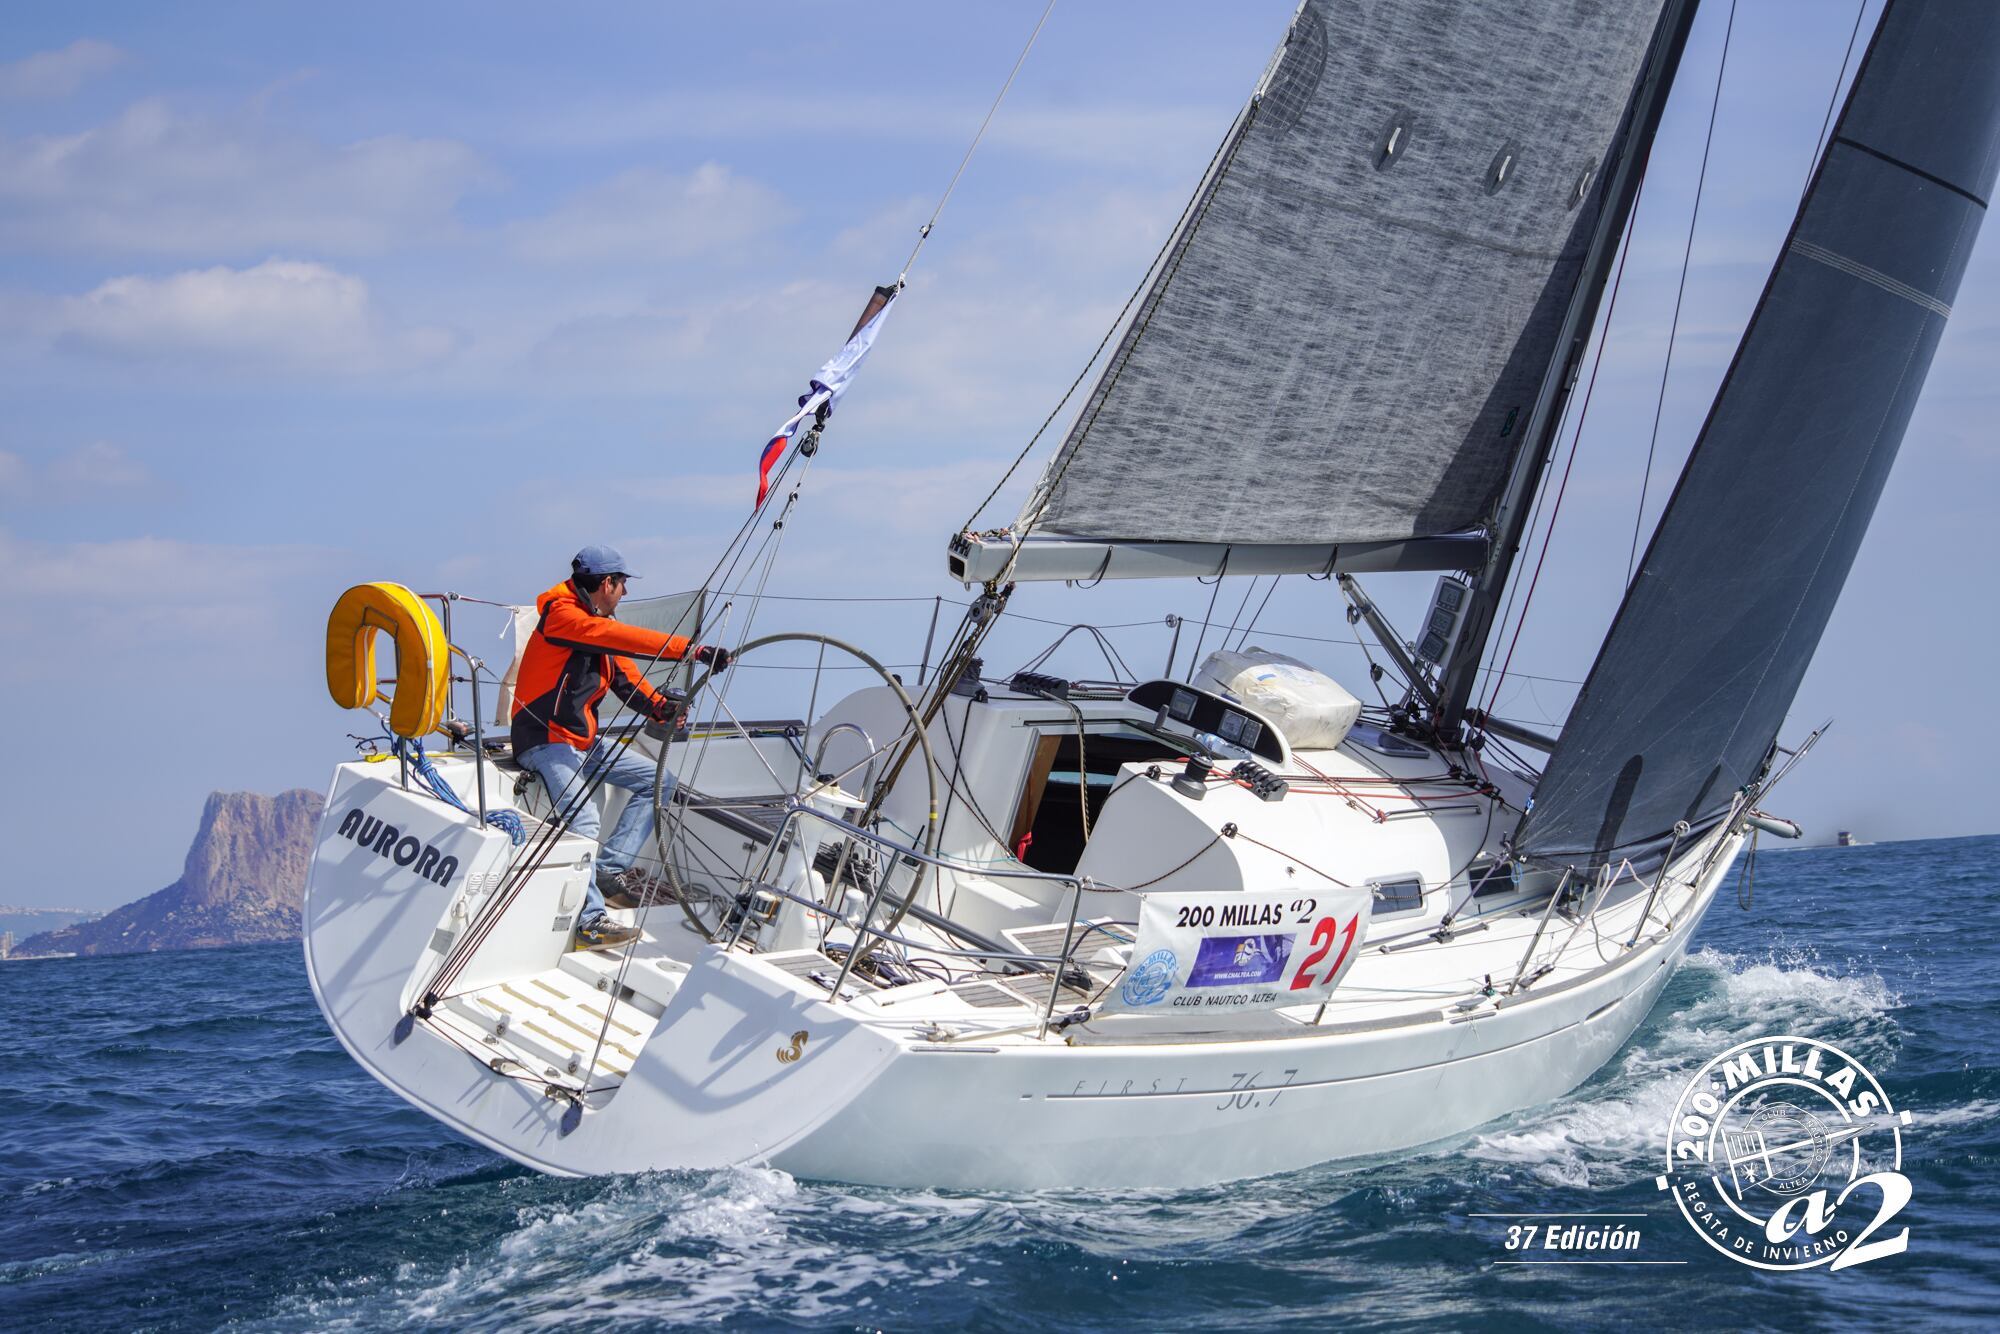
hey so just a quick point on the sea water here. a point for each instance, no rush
(183, 1145)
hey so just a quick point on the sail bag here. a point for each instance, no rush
(1311, 709)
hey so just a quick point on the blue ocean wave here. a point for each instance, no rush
(183, 1146)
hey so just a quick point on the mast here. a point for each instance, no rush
(1510, 516)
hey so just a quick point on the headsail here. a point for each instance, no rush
(1345, 340)
(1694, 679)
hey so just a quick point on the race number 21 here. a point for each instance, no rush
(1325, 932)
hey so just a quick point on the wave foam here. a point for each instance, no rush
(1615, 1122)
(1979, 1112)
(665, 1246)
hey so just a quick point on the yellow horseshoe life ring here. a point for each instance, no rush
(423, 658)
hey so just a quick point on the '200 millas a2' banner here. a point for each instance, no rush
(1211, 953)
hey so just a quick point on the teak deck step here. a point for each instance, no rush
(549, 1024)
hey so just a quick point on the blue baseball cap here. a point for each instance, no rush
(600, 560)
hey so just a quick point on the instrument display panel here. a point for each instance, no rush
(1201, 711)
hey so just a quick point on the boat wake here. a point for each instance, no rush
(685, 1247)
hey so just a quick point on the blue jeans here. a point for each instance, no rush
(558, 766)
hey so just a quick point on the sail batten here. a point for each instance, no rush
(1343, 343)
(1684, 702)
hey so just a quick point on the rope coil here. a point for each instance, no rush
(411, 752)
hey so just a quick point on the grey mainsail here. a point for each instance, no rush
(1694, 679)
(1344, 342)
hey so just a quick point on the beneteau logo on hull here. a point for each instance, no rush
(385, 840)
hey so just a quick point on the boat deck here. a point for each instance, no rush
(548, 1024)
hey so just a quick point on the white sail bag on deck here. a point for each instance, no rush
(1308, 706)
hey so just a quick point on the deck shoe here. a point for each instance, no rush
(601, 933)
(633, 887)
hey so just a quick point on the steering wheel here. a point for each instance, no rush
(707, 910)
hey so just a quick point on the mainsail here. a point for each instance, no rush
(1684, 702)
(1346, 338)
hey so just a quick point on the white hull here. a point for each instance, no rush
(703, 1069)
(1170, 1116)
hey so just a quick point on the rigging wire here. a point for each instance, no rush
(1082, 768)
(1012, 615)
(1293, 857)
(1138, 290)
(981, 617)
(1680, 291)
(1238, 133)
(1249, 592)
(924, 232)
(1207, 618)
(1190, 860)
(1120, 669)
(1575, 442)
(1746, 878)
(1256, 615)
(589, 778)
(1833, 97)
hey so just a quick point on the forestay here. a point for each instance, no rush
(1344, 341)
(1701, 665)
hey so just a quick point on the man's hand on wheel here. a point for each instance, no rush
(713, 655)
(668, 709)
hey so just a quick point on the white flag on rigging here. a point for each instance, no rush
(828, 384)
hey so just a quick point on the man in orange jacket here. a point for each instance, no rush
(577, 653)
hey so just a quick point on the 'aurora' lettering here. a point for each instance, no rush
(385, 840)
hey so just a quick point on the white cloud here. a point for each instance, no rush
(52, 74)
(158, 182)
(189, 601)
(98, 466)
(735, 353)
(17, 476)
(282, 314)
(1112, 134)
(651, 214)
(96, 471)
(995, 323)
(192, 639)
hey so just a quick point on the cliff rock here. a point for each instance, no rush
(243, 881)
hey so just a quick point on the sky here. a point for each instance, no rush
(295, 298)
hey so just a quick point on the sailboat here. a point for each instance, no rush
(1044, 932)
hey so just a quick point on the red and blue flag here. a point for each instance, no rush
(826, 388)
